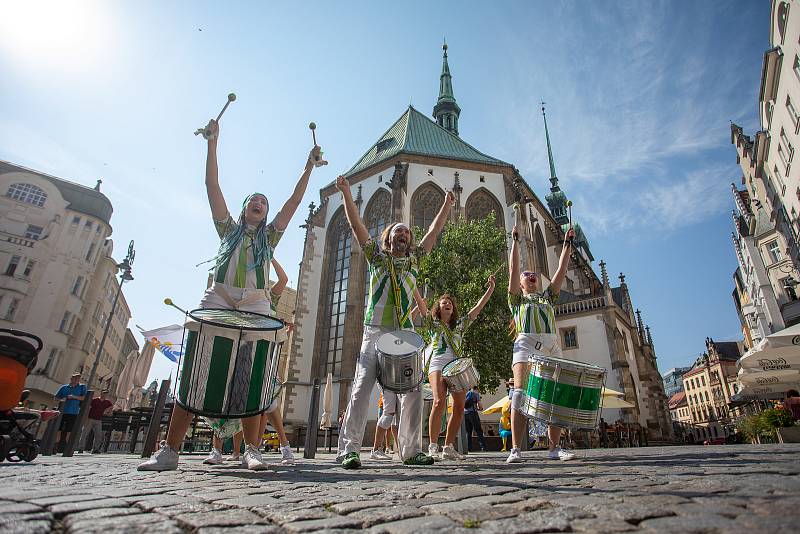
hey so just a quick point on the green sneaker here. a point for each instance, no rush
(419, 459)
(351, 461)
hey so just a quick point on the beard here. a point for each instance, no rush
(400, 246)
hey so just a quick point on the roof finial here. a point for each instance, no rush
(97, 186)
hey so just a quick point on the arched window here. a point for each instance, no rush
(480, 204)
(541, 251)
(338, 267)
(28, 193)
(376, 219)
(425, 204)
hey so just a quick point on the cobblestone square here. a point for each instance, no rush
(741, 488)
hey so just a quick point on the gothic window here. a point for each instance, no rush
(425, 204)
(338, 268)
(28, 193)
(480, 204)
(541, 251)
(376, 219)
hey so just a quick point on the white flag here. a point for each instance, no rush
(167, 340)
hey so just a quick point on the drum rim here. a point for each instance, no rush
(402, 390)
(217, 415)
(448, 364)
(236, 327)
(534, 356)
(415, 351)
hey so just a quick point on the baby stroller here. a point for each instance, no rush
(17, 358)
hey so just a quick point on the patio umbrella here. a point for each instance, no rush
(776, 352)
(327, 403)
(763, 378)
(498, 406)
(610, 401)
(126, 379)
(608, 392)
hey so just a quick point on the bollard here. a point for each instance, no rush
(310, 450)
(77, 429)
(48, 442)
(154, 428)
(463, 440)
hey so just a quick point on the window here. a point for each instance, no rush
(76, 287)
(425, 204)
(793, 112)
(87, 224)
(27, 193)
(703, 380)
(786, 144)
(12, 266)
(541, 252)
(570, 337)
(376, 219)
(796, 66)
(28, 269)
(706, 394)
(64, 324)
(90, 252)
(33, 232)
(11, 311)
(338, 253)
(76, 219)
(774, 251)
(51, 359)
(480, 204)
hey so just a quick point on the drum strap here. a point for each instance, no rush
(398, 302)
(448, 336)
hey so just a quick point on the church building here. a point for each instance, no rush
(403, 176)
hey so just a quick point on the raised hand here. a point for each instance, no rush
(490, 283)
(450, 198)
(342, 184)
(314, 155)
(212, 130)
(570, 234)
(515, 233)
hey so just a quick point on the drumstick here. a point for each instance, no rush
(168, 302)
(569, 207)
(231, 98)
(313, 127)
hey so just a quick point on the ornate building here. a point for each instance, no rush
(403, 176)
(58, 277)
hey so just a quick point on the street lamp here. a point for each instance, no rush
(125, 275)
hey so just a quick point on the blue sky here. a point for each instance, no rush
(639, 97)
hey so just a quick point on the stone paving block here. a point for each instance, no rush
(62, 509)
(549, 520)
(599, 524)
(702, 509)
(414, 525)
(18, 508)
(471, 503)
(354, 506)
(99, 514)
(6, 520)
(188, 508)
(245, 529)
(28, 527)
(127, 523)
(386, 513)
(287, 513)
(760, 524)
(322, 524)
(133, 492)
(66, 496)
(250, 501)
(699, 524)
(219, 518)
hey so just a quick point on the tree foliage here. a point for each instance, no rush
(460, 264)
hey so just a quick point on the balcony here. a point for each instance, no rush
(18, 240)
(580, 306)
(791, 312)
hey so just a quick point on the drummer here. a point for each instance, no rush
(240, 275)
(533, 323)
(393, 266)
(447, 338)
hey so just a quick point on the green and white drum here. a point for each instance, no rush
(564, 393)
(230, 365)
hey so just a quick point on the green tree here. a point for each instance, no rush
(466, 254)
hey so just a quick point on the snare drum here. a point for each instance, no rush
(564, 393)
(230, 364)
(460, 375)
(400, 361)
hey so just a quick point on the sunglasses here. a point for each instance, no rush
(529, 274)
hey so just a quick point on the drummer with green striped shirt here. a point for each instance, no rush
(241, 277)
(534, 324)
(393, 264)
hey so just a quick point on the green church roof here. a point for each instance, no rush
(414, 133)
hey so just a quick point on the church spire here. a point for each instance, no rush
(556, 200)
(446, 110)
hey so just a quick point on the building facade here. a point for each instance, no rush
(58, 277)
(404, 177)
(767, 215)
(709, 387)
(673, 380)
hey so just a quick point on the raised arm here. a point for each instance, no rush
(421, 308)
(351, 210)
(281, 220)
(280, 284)
(219, 210)
(476, 310)
(563, 263)
(438, 223)
(513, 263)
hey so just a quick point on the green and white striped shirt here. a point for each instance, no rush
(439, 337)
(234, 272)
(381, 309)
(534, 313)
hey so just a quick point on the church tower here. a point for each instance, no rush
(556, 200)
(446, 111)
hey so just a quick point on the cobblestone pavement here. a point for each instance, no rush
(741, 488)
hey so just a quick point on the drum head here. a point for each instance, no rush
(568, 364)
(241, 320)
(456, 366)
(400, 343)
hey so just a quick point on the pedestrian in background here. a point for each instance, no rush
(471, 418)
(99, 408)
(72, 394)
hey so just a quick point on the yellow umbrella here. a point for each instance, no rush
(610, 401)
(498, 406)
(608, 392)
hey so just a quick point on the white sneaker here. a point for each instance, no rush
(214, 457)
(433, 449)
(560, 454)
(252, 459)
(286, 453)
(234, 458)
(515, 457)
(450, 453)
(379, 455)
(164, 459)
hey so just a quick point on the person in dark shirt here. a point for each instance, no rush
(94, 425)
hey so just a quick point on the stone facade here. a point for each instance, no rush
(58, 278)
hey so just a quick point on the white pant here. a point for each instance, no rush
(355, 418)
(526, 345)
(253, 300)
(97, 440)
(389, 409)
